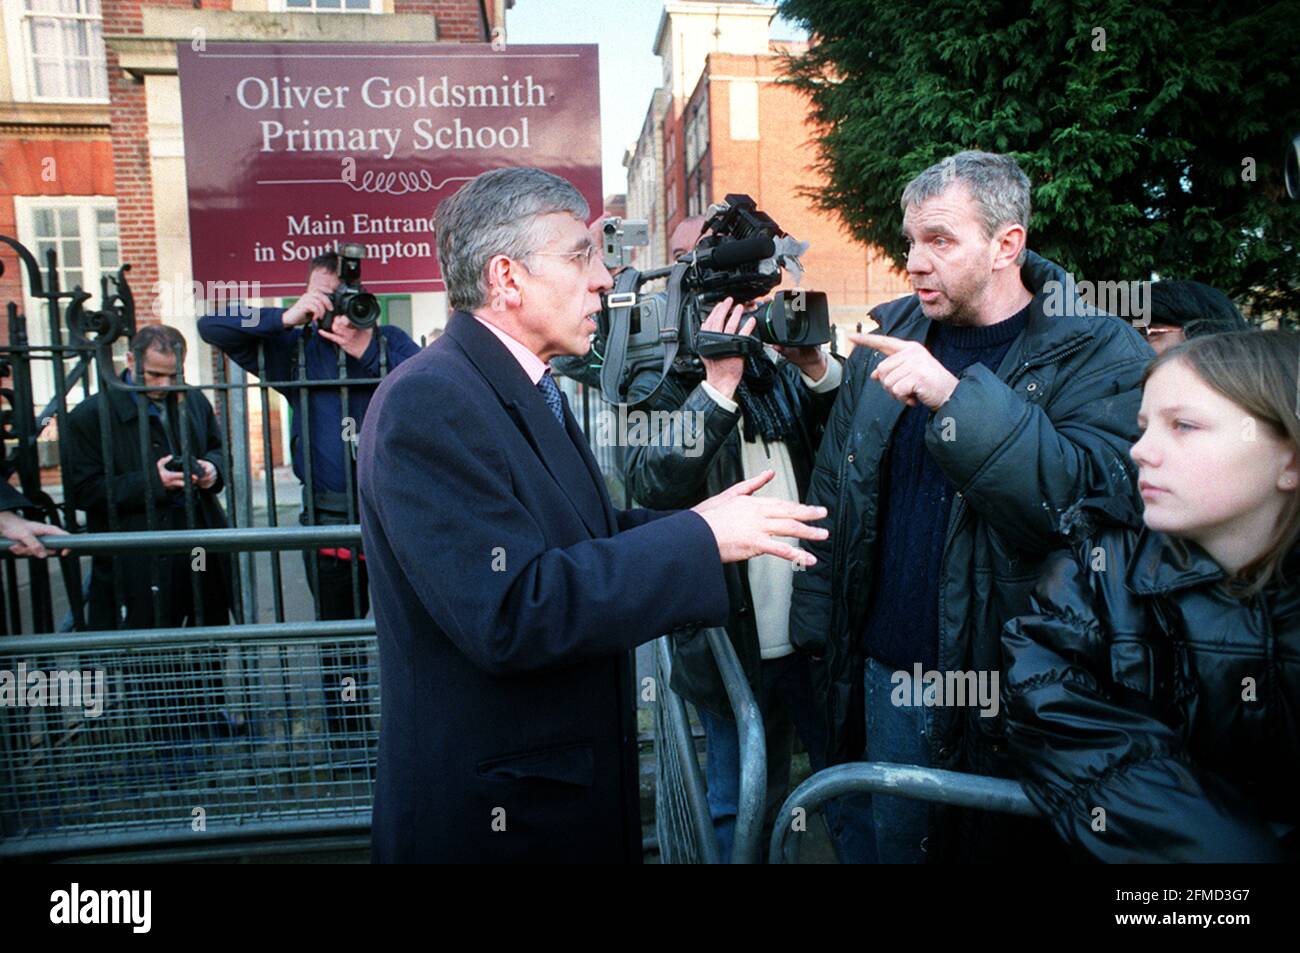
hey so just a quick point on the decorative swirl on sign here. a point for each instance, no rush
(399, 182)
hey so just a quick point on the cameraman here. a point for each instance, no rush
(757, 413)
(296, 345)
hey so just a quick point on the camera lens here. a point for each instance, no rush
(362, 310)
(796, 325)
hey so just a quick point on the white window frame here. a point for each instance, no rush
(91, 270)
(697, 134)
(695, 199)
(282, 6)
(22, 63)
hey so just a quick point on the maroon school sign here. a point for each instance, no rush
(293, 149)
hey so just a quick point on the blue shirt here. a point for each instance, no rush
(331, 449)
(902, 620)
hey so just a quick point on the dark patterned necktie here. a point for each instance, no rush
(552, 394)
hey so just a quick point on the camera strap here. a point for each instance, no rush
(620, 303)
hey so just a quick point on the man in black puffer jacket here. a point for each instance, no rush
(987, 404)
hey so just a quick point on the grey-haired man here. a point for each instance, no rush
(508, 591)
(963, 430)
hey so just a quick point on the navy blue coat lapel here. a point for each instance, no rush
(573, 469)
(579, 440)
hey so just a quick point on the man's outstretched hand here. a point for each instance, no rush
(746, 526)
(25, 534)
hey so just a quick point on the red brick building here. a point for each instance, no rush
(743, 131)
(726, 124)
(56, 166)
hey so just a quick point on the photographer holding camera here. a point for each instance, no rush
(304, 341)
(172, 482)
(755, 412)
(329, 334)
(154, 477)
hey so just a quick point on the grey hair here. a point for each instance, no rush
(996, 182)
(496, 213)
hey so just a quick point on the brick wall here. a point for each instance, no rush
(81, 166)
(775, 169)
(130, 139)
(458, 20)
(674, 166)
(11, 282)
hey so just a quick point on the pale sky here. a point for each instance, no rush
(629, 70)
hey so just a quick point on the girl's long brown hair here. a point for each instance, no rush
(1257, 371)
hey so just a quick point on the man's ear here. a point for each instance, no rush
(503, 283)
(1010, 241)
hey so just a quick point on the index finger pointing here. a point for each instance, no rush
(880, 342)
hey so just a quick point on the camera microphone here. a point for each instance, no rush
(731, 254)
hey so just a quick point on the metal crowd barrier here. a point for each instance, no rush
(898, 780)
(682, 822)
(172, 735)
(188, 736)
(682, 819)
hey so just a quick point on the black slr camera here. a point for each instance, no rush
(349, 299)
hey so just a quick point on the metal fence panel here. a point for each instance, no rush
(682, 822)
(170, 741)
(898, 780)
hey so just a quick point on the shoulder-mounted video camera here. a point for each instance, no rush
(741, 254)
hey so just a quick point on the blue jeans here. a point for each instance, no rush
(784, 697)
(896, 735)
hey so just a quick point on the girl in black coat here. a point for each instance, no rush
(1154, 696)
